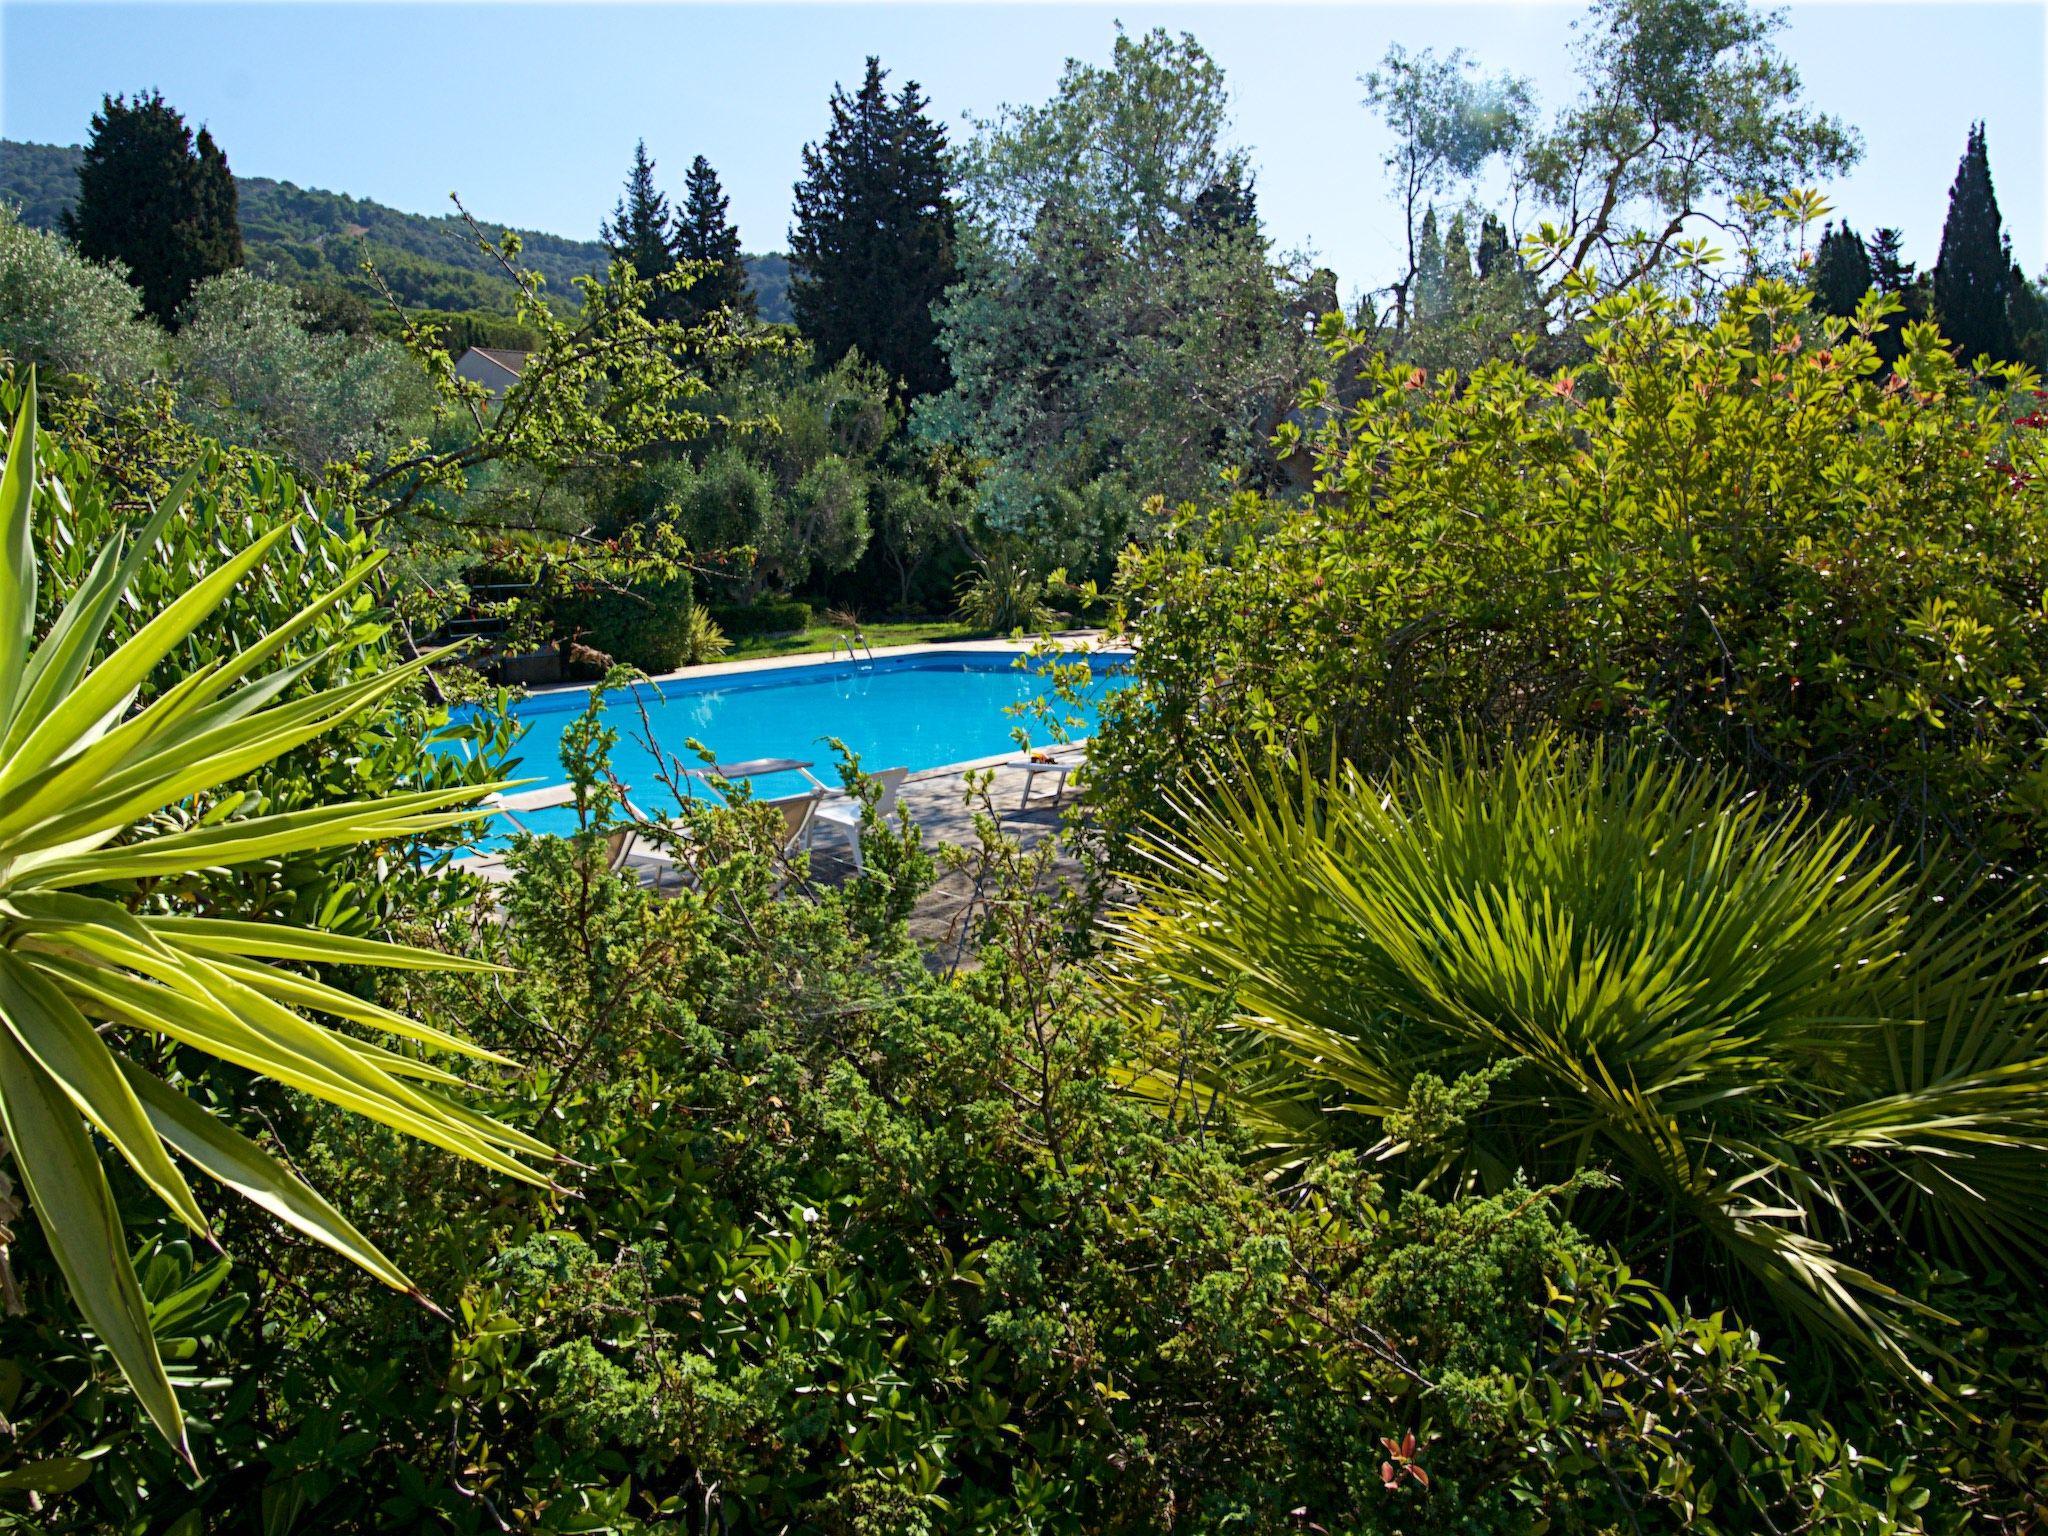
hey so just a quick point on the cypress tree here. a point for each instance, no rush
(1494, 254)
(1972, 277)
(1841, 272)
(872, 248)
(153, 200)
(1225, 207)
(704, 233)
(638, 230)
(1431, 291)
(1460, 282)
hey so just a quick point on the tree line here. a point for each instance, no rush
(1076, 313)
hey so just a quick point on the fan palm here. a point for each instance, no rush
(1799, 1056)
(85, 963)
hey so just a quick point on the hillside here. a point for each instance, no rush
(305, 235)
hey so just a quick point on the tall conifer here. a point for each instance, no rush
(704, 233)
(1891, 273)
(1841, 271)
(153, 200)
(638, 231)
(1972, 277)
(1432, 292)
(872, 248)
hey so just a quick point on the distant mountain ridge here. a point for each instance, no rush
(305, 235)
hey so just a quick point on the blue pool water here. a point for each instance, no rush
(914, 712)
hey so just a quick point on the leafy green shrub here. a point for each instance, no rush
(855, 1248)
(1741, 536)
(770, 616)
(655, 625)
(1802, 1060)
(76, 320)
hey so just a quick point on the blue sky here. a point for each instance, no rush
(531, 110)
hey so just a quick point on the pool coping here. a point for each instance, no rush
(1072, 639)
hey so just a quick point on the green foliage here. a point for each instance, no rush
(1687, 109)
(1103, 326)
(828, 523)
(1739, 537)
(1841, 272)
(78, 322)
(770, 616)
(872, 248)
(638, 231)
(1972, 275)
(107, 466)
(706, 239)
(1447, 127)
(597, 390)
(460, 329)
(655, 626)
(915, 526)
(1003, 593)
(156, 200)
(251, 369)
(1772, 1037)
(91, 829)
(789, 480)
(858, 1248)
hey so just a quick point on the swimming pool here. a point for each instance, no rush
(919, 711)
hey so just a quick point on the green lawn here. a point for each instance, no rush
(819, 637)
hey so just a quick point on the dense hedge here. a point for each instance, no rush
(770, 616)
(655, 624)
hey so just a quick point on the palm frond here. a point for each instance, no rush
(1790, 1047)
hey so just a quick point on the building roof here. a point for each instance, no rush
(499, 358)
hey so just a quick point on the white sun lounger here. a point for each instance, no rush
(840, 810)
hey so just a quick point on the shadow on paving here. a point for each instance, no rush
(942, 922)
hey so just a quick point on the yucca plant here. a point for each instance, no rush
(88, 962)
(1798, 1056)
(1002, 592)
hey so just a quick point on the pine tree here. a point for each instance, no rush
(151, 199)
(1841, 271)
(638, 230)
(704, 233)
(873, 244)
(1890, 273)
(1972, 277)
